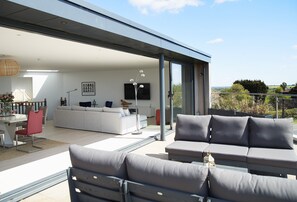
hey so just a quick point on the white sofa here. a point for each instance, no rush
(107, 120)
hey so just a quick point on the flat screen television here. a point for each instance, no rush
(142, 94)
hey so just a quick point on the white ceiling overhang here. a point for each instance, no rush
(79, 36)
(34, 51)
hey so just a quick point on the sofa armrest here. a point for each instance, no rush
(69, 119)
(93, 186)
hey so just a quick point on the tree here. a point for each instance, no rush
(237, 98)
(254, 86)
(233, 98)
(283, 86)
(177, 97)
(293, 90)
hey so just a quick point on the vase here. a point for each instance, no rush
(6, 109)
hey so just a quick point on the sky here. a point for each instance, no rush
(247, 39)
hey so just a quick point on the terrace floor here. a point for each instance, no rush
(17, 168)
(59, 157)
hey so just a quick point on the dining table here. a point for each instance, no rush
(8, 124)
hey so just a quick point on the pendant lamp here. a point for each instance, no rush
(9, 67)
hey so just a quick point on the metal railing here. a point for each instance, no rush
(275, 105)
(21, 107)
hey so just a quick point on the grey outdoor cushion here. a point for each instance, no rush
(272, 157)
(272, 133)
(229, 130)
(178, 176)
(103, 162)
(227, 152)
(187, 148)
(245, 187)
(193, 128)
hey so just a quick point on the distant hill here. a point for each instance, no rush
(271, 87)
(219, 88)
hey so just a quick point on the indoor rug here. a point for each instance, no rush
(10, 153)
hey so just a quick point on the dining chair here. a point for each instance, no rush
(21, 125)
(33, 127)
(44, 117)
(2, 138)
(108, 104)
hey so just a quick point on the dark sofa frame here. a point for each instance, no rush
(98, 175)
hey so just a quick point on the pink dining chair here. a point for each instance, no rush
(33, 127)
(2, 138)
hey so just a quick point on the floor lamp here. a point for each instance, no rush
(68, 92)
(136, 87)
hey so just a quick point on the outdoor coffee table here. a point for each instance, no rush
(241, 169)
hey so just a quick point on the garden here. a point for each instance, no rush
(257, 99)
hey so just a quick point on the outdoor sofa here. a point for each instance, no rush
(259, 144)
(98, 175)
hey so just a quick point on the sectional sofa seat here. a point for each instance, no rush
(261, 144)
(116, 176)
(108, 120)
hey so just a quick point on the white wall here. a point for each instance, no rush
(5, 84)
(46, 85)
(109, 86)
(22, 88)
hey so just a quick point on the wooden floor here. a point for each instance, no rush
(63, 135)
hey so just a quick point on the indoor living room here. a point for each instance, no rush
(43, 83)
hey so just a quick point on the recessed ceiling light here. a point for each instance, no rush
(42, 70)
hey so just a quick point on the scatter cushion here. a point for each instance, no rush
(245, 187)
(229, 130)
(95, 109)
(285, 158)
(192, 128)
(102, 162)
(178, 176)
(78, 108)
(64, 107)
(114, 110)
(127, 112)
(271, 133)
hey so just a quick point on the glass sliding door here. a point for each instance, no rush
(182, 89)
(177, 94)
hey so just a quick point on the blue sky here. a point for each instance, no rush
(247, 39)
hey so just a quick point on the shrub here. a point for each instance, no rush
(237, 98)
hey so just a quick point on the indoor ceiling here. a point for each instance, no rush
(34, 51)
